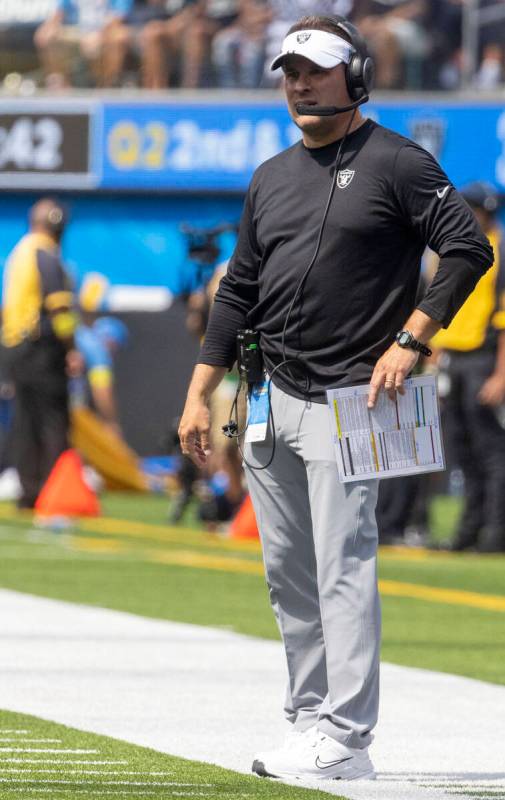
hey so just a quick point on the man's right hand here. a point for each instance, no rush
(194, 430)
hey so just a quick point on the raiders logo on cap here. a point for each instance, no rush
(303, 37)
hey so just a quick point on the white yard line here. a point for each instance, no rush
(106, 783)
(44, 749)
(32, 741)
(17, 731)
(30, 771)
(215, 696)
(55, 761)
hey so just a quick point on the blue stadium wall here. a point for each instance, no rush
(131, 171)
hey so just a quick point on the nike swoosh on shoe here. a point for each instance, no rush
(327, 764)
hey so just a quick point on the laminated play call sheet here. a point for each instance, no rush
(397, 437)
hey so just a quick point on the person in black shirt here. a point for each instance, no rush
(38, 325)
(382, 199)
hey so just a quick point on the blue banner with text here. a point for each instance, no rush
(193, 147)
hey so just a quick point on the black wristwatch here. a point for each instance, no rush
(405, 339)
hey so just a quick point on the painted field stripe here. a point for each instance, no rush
(386, 587)
(173, 535)
(434, 594)
(181, 558)
(26, 741)
(45, 750)
(63, 782)
(13, 730)
(61, 761)
(31, 771)
(96, 545)
(148, 530)
(190, 558)
(162, 533)
(196, 560)
(34, 791)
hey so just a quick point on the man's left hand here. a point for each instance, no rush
(390, 372)
(492, 392)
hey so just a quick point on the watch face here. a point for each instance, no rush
(403, 338)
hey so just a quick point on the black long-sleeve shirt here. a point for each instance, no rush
(391, 200)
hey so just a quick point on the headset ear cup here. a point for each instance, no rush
(368, 75)
(359, 76)
(353, 77)
(360, 71)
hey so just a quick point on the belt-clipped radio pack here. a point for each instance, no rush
(249, 358)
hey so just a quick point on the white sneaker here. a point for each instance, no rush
(315, 756)
(292, 741)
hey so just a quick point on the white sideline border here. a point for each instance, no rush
(212, 695)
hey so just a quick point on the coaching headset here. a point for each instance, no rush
(359, 74)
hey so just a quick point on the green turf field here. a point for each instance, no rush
(182, 574)
(441, 611)
(42, 759)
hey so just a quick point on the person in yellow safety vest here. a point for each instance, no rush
(39, 351)
(472, 358)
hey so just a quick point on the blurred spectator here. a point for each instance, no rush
(396, 36)
(238, 51)
(38, 336)
(74, 34)
(19, 20)
(443, 67)
(472, 356)
(98, 344)
(155, 32)
(178, 39)
(492, 44)
(417, 44)
(402, 510)
(215, 15)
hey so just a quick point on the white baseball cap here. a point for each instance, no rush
(325, 49)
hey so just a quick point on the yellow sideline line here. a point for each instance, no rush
(179, 535)
(190, 558)
(166, 533)
(459, 597)
(182, 558)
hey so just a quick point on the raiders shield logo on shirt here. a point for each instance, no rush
(303, 37)
(344, 178)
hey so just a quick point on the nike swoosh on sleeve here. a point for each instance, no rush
(442, 192)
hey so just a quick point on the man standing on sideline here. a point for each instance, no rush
(472, 357)
(38, 336)
(326, 270)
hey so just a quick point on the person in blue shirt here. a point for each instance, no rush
(98, 344)
(77, 31)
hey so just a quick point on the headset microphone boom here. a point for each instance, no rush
(328, 111)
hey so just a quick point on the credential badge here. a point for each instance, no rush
(303, 37)
(344, 178)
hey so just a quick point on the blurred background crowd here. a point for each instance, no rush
(155, 44)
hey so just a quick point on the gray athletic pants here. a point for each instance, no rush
(319, 539)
